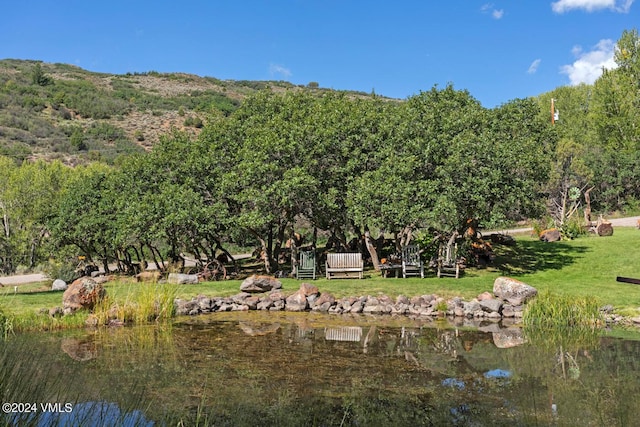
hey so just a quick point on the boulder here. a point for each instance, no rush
(182, 279)
(297, 301)
(513, 291)
(59, 285)
(309, 289)
(484, 296)
(325, 297)
(550, 235)
(491, 305)
(82, 293)
(255, 284)
(604, 229)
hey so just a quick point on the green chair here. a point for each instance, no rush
(306, 265)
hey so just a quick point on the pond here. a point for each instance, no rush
(304, 369)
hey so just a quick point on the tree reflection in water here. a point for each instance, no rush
(302, 369)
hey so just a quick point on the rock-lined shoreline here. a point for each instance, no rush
(265, 293)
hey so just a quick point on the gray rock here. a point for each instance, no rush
(491, 305)
(277, 306)
(323, 298)
(357, 307)
(323, 308)
(297, 302)
(265, 304)
(255, 284)
(471, 307)
(513, 291)
(550, 235)
(182, 279)
(59, 285)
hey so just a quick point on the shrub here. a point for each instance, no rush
(194, 121)
(138, 135)
(63, 270)
(573, 228)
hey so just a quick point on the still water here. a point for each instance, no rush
(305, 369)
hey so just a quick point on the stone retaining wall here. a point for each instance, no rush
(506, 301)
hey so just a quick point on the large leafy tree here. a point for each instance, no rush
(87, 215)
(453, 161)
(266, 180)
(28, 200)
(615, 118)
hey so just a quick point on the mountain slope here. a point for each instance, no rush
(59, 111)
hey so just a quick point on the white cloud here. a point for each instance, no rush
(622, 6)
(275, 69)
(588, 67)
(534, 66)
(488, 8)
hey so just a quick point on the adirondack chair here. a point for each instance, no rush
(448, 262)
(306, 265)
(412, 264)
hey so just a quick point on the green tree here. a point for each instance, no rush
(614, 117)
(267, 178)
(86, 216)
(38, 76)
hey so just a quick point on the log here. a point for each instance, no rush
(628, 280)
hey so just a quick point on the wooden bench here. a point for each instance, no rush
(344, 265)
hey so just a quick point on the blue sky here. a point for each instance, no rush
(497, 50)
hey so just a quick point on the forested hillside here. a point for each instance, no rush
(264, 167)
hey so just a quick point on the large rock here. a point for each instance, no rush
(604, 229)
(491, 305)
(309, 290)
(255, 284)
(59, 285)
(182, 279)
(297, 302)
(513, 291)
(550, 235)
(83, 293)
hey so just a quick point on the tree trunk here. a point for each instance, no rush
(294, 254)
(587, 209)
(153, 257)
(406, 236)
(277, 248)
(372, 250)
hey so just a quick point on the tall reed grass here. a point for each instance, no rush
(141, 303)
(563, 321)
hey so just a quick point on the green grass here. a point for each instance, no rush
(585, 267)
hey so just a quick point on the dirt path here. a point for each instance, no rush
(631, 221)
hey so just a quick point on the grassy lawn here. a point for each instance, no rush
(587, 266)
